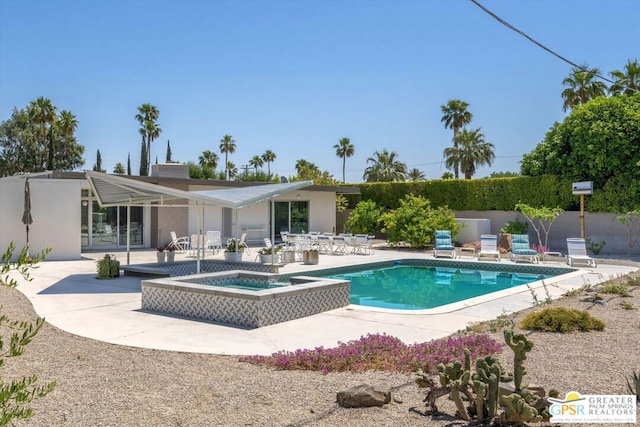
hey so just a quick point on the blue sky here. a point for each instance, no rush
(296, 76)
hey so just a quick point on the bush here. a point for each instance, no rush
(616, 288)
(108, 267)
(381, 352)
(415, 222)
(561, 319)
(365, 218)
(516, 226)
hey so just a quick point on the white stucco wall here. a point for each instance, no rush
(55, 207)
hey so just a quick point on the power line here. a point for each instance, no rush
(532, 40)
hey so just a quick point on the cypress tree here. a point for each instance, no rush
(168, 151)
(144, 167)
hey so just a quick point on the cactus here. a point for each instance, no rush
(452, 375)
(480, 389)
(517, 411)
(490, 372)
(520, 346)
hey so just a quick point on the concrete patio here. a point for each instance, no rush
(69, 296)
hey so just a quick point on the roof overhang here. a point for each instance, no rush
(112, 190)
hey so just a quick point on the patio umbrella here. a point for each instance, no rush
(26, 216)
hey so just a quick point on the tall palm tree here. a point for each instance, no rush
(344, 148)
(627, 82)
(42, 111)
(227, 146)
(231, 170)
(63, 127)
(208, 159)
(149, 129)
(455, 116)
(256, 162)
(582, 87)
(268, 157)
(472, 151)
(415, 174)
(384, 167)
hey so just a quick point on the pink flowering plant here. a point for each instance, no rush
(381, 352)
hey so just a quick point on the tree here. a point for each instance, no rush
(231, 170)
(365, 217)
(472, 151)
(344, 148)
(22, 148)
(541, 219)
(582, 87)
(415, 174)
(144, 165)
(455, 116)
(43, 112)
(16, 395)
(118, 169)
(596, 142)
(306, 168)
(446, 175)
(227, 146)
(208, 162)
(168, 158)
(256, 162)
(149, 129)
(98, 165)
(384, 167)
(269, 157)
(128, 163)
(626, 82)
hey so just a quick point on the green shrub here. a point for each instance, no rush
(516, 226)
(365, 218)
(415, 222)
(561, 319)
(618, 289)
(108, 267)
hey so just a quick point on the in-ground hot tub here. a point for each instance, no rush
(241, 298)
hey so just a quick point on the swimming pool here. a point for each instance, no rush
(414, 287)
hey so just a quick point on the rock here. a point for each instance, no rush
(507, 388)
(397, 398)
(363, 395)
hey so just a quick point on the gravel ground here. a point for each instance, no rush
(100, 384)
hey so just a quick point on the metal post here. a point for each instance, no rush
(582, 216)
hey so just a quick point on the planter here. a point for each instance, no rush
(310, 257)
(233, 256)
(268, 258)
(161, 258)
(287, 256)
(171, 256)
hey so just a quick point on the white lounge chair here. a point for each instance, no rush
(214, 242)
(489, 246)
(179, 244)
(520, 249)
(443, 245)
(577, 251)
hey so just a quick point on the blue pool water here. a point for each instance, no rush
(419, 287)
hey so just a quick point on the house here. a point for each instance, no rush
(70, 216)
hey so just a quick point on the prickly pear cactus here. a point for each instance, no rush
(520, 346)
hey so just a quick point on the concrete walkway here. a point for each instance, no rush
(69, 296)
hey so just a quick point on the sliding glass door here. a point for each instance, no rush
(291, 216)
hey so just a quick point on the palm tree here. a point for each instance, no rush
(268, 157)
(344, 149)
(118, 169)
(64, 126)
(231, 170)
(385, 167)
(582, 87)
(44, 112)
(227, 145)
(305, 167)
(149, 129)
(455, 116)
(256, 162)
(472, 151)
(627, 82)
(208, 159)
(415, 174)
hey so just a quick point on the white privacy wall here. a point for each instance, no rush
(55, 208)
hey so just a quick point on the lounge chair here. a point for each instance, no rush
(577, 251)
(214, 242)
(489, 247)
(443, 244)
(520, 249)
(179, 244)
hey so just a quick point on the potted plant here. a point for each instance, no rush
(270, 255)
(108, 267)
(234, 251)
(161, 255)
(170, 252)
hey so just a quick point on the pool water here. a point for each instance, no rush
(417, 287)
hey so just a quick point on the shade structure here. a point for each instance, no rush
(27, 219)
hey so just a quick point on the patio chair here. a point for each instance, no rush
(109, 235)
(362, 244)
(577, 251)
(520, 249)
(214, 241)
(444, 246)
(489, 247)
(179, 244)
